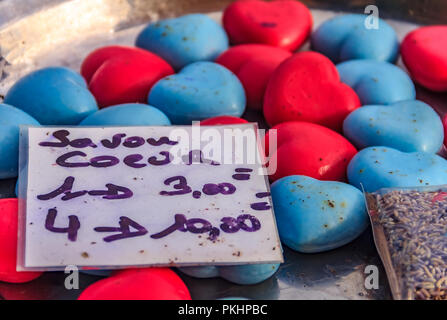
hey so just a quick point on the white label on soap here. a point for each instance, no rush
(143, 196)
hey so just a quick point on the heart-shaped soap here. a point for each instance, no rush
(129, 114)
(10, 120)
(200, 90)
(184, 40)
(315, 216)
(240, 274)
(237, 56)
(382, 167)
(308, 149)
(307, 87)
(424, 52)
(253, 64)
(377, 82)
(407, 126)
(8, 240)
(285, 24)
(347, 37)
(53, 96)
(118, 74)
(138, 284)
(222, 120)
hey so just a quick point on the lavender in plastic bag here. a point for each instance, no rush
(410, 231)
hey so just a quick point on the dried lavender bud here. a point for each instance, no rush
(415, 226)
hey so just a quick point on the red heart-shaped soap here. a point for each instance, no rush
(8, 244)
(119, 74)
(424, 52)
(304, 148)
(285, 24)
(222, 120)
(138, 284)
(253, 64)
(307, 87)
(236, 57)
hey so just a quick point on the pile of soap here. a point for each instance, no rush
(346, 117)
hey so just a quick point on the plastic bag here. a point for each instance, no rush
(410, 232)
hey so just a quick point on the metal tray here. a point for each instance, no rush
(39, 33)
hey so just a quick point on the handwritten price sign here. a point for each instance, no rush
(132, 196)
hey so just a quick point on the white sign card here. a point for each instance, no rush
(116, 197)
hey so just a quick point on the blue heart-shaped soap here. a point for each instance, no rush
(377, 82)
(407, 126)
(315, 216)
(241, 274)
(127, 114)
(382, 167)
(201, 90)
(10, 121)
(184, 40)
(347, 37)
(53, 96)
